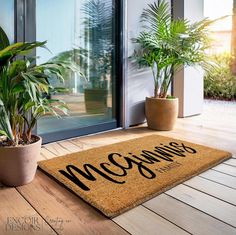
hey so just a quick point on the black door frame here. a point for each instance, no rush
(25, 30)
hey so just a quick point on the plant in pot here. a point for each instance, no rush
(23, 86)
(98, 37)
(165, 46)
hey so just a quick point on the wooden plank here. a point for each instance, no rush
(69, 146)
(215, 129)
(46, 154)
(198, 135)
(142, 221)
(219, 177)
(18, 217)
(84, 143)
(204, 138)
(52, 200)
(56, 149)
(208, 204)
(62, 148)
(93, 141)
(214, 189)
(231, 162)
(187, 217)
(210, 124)
(230, 170)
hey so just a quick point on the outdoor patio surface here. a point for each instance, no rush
(205, 204)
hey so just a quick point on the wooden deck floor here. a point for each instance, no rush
(206, 204)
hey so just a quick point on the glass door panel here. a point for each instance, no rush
(81, 32)
(7, 18)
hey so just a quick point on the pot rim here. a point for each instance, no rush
(24, 146)
(158, 98)
(97, 89)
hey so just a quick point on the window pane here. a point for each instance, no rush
(7, 17)
(82, 32)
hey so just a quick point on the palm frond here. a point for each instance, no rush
(167, 44)
(4, 41)
(157, 16)
(5, 125)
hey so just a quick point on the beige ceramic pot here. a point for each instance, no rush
(18, 164)
(161, 113)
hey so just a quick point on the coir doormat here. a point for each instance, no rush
(120, 176)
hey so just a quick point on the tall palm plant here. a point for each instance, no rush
(22, 90)
(166, 44)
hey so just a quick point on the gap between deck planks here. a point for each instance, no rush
(140, 220)
(216, 190)
(206, 203)
(188, 217)
(229, 170)
(220, 178)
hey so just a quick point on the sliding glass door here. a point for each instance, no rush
(7, 18)
(82, 33)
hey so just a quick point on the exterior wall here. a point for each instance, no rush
(188, 83)
(138, 82)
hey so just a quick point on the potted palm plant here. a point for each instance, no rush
(98, 36)
(23, 86)
(165, 46)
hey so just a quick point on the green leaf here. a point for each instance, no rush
(5, 122)
(3, 133)
(4, 41)
(17, 67)
(18, 88)
(29, 105)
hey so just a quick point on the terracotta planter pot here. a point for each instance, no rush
(95, 100)
(18, 164)
(161, 113)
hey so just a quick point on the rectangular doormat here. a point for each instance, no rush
(118, 177)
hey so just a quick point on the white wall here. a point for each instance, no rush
(138, 83)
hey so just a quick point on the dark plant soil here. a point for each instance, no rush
(6, 143)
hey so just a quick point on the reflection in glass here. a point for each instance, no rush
(80, 32)
(98, 42)
(7, 18)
